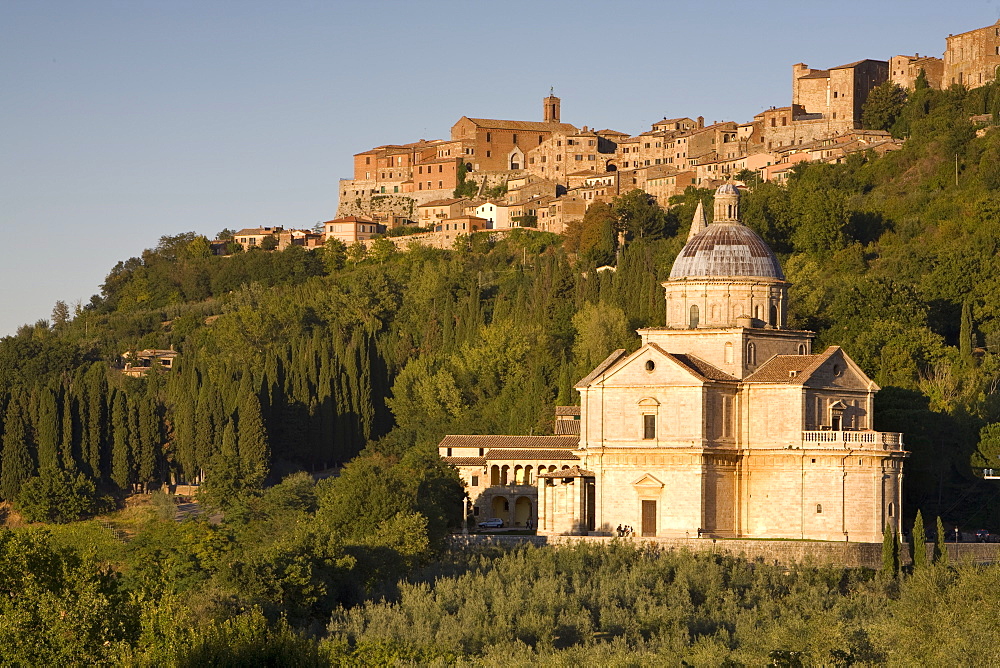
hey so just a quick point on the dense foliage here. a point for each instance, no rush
(361, 359)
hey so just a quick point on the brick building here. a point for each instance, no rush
(501, 145)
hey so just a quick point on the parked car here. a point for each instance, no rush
(495, 523)
(983, 536)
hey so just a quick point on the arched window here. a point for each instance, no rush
(494, 475)
(774, 315)
(729, 352)
(802, 349)
(694, 316)
(819, 507)
(892, 509)
(751, 354)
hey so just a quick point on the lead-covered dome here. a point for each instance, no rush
(726, 249)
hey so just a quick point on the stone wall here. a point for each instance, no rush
(785, 552)
(971, 58)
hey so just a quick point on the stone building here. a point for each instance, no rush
(563, 153)
(904, 70)
(971, 58)
(723, 423)
(836, 94)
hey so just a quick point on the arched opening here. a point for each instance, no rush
(552, 468)
(729, 353)
(501, 508)
(774, 316)
(518, 475)
(504, 474)
(756, 312)
(528, 479)
(802, 349)
(751, 354)
(694, 316)
(522, 511)
(892, 509)
(494, 475)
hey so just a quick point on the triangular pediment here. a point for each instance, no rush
(651, 365)
(647, 481)
(835, 368)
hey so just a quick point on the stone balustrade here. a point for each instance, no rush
(853, 440)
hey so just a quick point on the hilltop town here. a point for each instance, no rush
(497, 175)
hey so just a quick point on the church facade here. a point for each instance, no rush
(725, 423)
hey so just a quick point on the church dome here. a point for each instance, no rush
(727, 189)
(726, 249)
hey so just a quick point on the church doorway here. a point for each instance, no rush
(648, 518)
(522, 511)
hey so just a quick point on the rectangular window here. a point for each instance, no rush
(649, 426)
(488, 153)
(449, 453)
(487, 136)
(514, 137)
(475, 481)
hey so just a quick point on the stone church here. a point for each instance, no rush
(724, 423)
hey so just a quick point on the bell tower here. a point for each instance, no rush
(551, 108)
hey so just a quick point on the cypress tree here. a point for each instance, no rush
(97, 388)
(120, 467)
(967, 338)
(918, 548)
(16, 465)
(149, 443)
(48, 428)
(69, 437)
(251, 443)
(940, 550)
(890, 552)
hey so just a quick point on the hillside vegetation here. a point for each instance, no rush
(302, 361)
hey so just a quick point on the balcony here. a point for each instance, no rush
(853, 440)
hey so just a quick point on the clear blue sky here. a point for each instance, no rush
(124, 121)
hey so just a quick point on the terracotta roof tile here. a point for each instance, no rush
(567, 410)
(789, 368)
(512, 442)
(562, 455)
(523, 125)
(564, 427)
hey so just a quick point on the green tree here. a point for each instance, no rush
(600, 329)
(356, 252)
(940, 549)
(252, 443)
(639, 216)
(918, 549)
(121, 467)
(60, 315)
(382, 249)
(890, 552)
(884, 105)
(334, 254)
(57, 496)
(269, 243)
(16, 464)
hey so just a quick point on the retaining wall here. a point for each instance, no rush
(851, 555)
